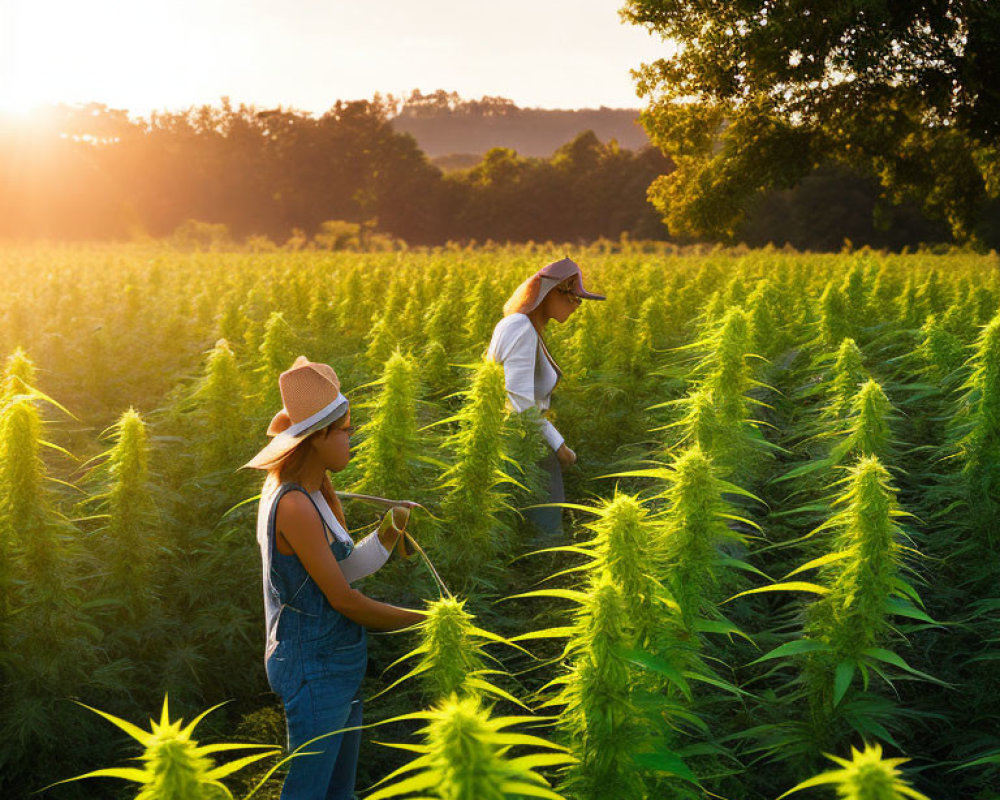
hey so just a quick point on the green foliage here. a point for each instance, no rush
(524, 448)
(626, 548)
(440, 321)
(223, 433)
(194, 234)
(437, 370)
(451, 659)
(174, 765)
(277, 352)
(337, 234)
(114, 327)
(694, 529)
(465, 757)
(864, 576)
(484, 311)
(855, 295)
(941, 352)
(473, 485)
(757, 96)
(764, 306)
(26, 519)
(911, 307)
(18, 376)
(47, 647)
(452, 653)
(381, 343)
(867, 426)
(867, 776)
(717, 414)
(980, 447)
(129, 538)
(599, 715)
(846, 630)
(385, 459)
(834, 322)
(588, 345)
(848, 374)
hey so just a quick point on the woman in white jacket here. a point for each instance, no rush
(530, 372)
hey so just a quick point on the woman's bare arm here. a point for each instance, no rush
(301, 526)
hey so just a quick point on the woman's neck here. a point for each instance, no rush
(538, 318)
(311, 475)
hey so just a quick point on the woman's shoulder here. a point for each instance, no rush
(293, 496)
(513, 325)
(297, 509)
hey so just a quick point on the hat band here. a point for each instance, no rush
(320, 416)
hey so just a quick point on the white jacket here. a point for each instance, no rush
(530, 374)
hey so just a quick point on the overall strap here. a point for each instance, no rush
(283, 489)
(272, 533)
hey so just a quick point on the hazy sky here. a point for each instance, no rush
(145, 54)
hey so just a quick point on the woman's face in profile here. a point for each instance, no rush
(561, 303)
(334, 444)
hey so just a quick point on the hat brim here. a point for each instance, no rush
(283, 443)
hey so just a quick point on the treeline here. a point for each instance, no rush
(93, 173)
(282, 176)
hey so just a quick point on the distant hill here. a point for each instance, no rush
(444, 125)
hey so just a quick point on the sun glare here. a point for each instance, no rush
(64, 51)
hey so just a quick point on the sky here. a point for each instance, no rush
(142, 55)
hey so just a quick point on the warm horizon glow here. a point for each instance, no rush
(307, 54)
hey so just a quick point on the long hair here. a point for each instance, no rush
(288, 467)
(525, 296)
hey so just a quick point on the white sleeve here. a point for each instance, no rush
(519, 379)
(552, 436)
(367, 557)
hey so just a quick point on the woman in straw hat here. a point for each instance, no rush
(316, 622)
(530, 372)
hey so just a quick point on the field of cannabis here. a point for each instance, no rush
(781, 563)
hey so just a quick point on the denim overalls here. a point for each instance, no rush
(315, 660)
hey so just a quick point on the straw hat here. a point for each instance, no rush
(551, 275)
(311, 398)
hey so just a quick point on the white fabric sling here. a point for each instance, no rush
(368, 555)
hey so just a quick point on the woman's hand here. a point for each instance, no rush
(566, 456)
(302, 527)
(393, 527)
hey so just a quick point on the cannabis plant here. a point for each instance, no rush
(18, 376)
(466, 756)
(599, 717)
(867, 776)
(386, 459)
(473, 485)
(450, 658)
(129, 536)
(174, 765)
(223, 434)
(867, 426)
(848, 374)
(277, 352)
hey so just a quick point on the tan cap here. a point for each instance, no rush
(551, 275)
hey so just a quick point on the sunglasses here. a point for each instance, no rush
(575, 298)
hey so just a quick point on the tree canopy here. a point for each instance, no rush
(759, 93)
(95, 173)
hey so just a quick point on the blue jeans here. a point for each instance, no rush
(319, 707)
(549, 520)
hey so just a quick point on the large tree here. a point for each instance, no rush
(758, 93)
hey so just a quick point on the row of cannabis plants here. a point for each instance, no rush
(792, 429)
